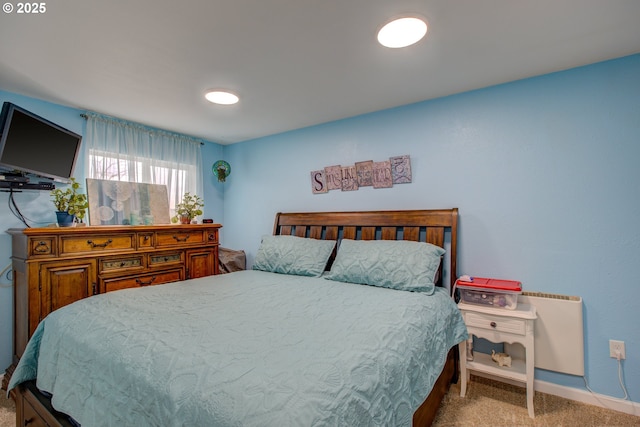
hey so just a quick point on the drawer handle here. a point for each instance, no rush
(143, 283)
(493, 324)
(181, 239)
(99, 245)
(41, 247)
(29, 421)
(146, 238)
(212, 237)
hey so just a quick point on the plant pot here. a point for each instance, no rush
(65, 219)
(184, 219)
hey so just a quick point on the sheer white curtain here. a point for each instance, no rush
(118, 150)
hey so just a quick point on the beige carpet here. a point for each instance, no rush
(492, 404)
(7, 411)
(488, 403)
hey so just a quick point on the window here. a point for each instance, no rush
(122, 151)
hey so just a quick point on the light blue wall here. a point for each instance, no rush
(544, 171)
(35, 205)
(213, 190)
(38, 208)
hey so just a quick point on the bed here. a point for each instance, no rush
(318, 333)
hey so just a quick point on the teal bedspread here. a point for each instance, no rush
(249, 348)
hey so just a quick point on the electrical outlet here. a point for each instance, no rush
(615, 348)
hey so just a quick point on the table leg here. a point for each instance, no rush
(462, 349)
(530, 376)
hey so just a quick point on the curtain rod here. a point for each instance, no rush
(85, 116)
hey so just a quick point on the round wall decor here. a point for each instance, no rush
(222, 170)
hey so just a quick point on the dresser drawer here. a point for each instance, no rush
(180, 238)
(96, 243)
(166, 258)
(42, 246)
(117, 264)
(479, 320)
(137, 281)
(211, 235)
(146, 240)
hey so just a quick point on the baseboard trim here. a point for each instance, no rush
(584, 396)
(578, 395)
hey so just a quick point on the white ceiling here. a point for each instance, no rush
(294, 63)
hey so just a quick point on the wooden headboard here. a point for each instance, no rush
(417, 225)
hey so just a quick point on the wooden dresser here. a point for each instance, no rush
(53, 267)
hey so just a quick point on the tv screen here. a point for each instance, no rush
(32, 144)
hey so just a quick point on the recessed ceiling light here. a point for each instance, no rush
(221, 97)
(402, 32)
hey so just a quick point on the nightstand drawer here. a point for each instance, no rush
(479, 320)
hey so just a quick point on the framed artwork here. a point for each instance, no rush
(367, 173)
(364, 171)
(318, 182)
(333, 175)
(127, 203)
(382, 174)
(401, 169)
(349, 178)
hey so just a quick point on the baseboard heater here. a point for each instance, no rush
(559, 332)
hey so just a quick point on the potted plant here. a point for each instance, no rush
(71, 206)
(189, 208)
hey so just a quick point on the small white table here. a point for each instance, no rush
(499, 325)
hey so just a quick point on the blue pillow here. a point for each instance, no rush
(394, 264)
(293, 255)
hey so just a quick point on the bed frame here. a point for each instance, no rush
(417, 225)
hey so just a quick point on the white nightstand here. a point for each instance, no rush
(500, 326)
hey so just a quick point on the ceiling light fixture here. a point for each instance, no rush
(402, 32)
(221, 97)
